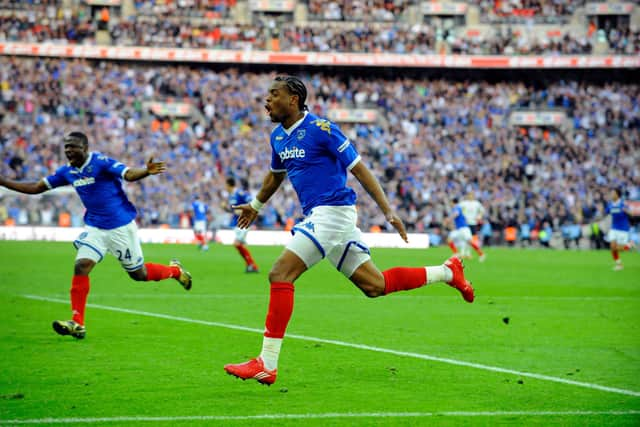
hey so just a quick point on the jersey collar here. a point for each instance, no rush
(86, 162)
(295, 125)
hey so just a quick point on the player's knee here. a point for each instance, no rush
(83, 267)
(280, 273)
(277, 275)
(139, 275)
(372, 291)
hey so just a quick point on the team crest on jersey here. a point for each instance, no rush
(309, 225)
(301, 133)
(89, 169)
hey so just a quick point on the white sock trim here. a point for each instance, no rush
(438, 273)
(270, 352)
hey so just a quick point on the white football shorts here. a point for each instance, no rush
(200, 227)
(462, 234)
(241, 235)
(331, 232)
(618, 236)
(123, 242)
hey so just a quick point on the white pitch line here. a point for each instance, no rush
(361, 347)
(317, 416)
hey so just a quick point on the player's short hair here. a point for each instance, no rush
(231, 181)
(618, 191)
(77, 136)
(295, 87)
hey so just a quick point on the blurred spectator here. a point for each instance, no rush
(437, 139)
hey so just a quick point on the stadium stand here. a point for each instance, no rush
(520, 27)
(535, 153)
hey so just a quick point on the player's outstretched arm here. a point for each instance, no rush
(371, 184)
(153, 168)
(248, 212)
(24, 187)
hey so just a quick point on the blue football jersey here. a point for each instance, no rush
(316, 156)
(458, 217)
(200, 210)
(99, 184)
(619, 218)
(238, 197)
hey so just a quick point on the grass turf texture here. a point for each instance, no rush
(563, 314)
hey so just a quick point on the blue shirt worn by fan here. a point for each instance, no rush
(316, 155)
(98, 182)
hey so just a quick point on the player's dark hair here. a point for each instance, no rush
(295, 87)
(231, 181)
(78, 136)
(618, 191)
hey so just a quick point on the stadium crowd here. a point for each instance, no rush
(436, 139)
(188, 27)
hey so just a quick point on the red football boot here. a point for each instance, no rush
(254, 368)
(458, 281)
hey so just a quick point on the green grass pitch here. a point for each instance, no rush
(553, 338)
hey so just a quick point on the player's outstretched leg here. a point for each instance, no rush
(69, 327)
(407, 278)
(254, 369)
(174, 270)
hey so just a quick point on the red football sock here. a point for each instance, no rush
(79, 292)
(476, 248)
(280, 309)
(161, 272)
(244, 252)
(453, 247)
(615, 254)
(404, 279)
(199, 238)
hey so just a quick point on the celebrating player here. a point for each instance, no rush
(239, 196)
(109, 222)
(618, 235)
(316, 155)
(200, 211)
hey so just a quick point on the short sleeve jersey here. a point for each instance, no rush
(316, 155)
(238, 197)
(98, 182)
(458, 217)
(619, 218)
(200, 210)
